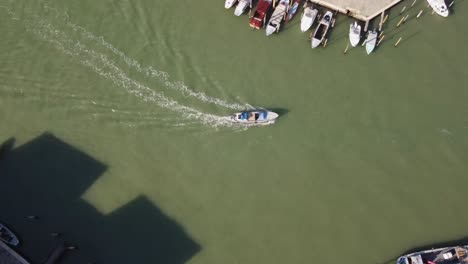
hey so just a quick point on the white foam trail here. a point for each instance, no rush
(161, 76)
(104, 67)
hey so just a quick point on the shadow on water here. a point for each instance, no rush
(47, 177)
(280, 111)
(6, 147)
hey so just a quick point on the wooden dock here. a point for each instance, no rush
(363, 10)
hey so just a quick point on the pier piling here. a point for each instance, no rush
(402, 10)
(381, 20)
(399, 22)
(398, 42)
(380, 40)
(404, 19)
(419, 14)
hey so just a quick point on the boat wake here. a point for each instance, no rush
(87, 49)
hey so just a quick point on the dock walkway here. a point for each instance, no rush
(363, 10)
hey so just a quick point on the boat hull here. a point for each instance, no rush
(293, 10)
(308, 18)
(454, 254)
(354, 34)
(371, 42)
(258, 18)
(322, 29)
(229, 3)
(264, 117)
(241, 7)
(277, 17)
(7, 236)
(439, 7)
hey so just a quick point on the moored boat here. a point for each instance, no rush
(445, 255)
(258, 19)
(275, 20)
(308, 17)
(254, 117)
(7, 236)
(439, 7)
(322, 29)
(292, 10)
(241, 7)
(354, 34)
(371, 41)
(229, 3)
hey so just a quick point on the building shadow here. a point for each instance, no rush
(47, 177)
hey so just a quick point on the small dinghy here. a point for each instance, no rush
(277, 16)
(371, 41)
(308, 17)
(293, 10)
(229, 3)
(254, 117)
(241, 7)
(439, 7)
(7, 236)
(322, 29)
(354, 34)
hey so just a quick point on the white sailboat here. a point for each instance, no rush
(371, 41)
(439, 7)
(354, 34)
(308, 17)
(322, 29)
(241, 7)
(277, 16)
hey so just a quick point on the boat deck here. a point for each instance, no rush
(9, 256)
(363, 10)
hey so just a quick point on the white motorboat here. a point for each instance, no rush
(229, 3)
(241, 7)
(277, 16)
(254, 117)
(308, 17)
(7, 236)
(439, 7)
(371, 41)
(322, 29)
(354, 34)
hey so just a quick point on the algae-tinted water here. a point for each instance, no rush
(369, 158)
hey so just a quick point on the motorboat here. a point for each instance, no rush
(322, 29)
(308, 17)
(229, 3)
(439, 7)
(257, 21)
(275, 20)
(445, 255)
(241, 7)
(371, 41)
(7, 236)
(354, 34)
(292, 10)
(254, 117)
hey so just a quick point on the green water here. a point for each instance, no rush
(368, 161)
